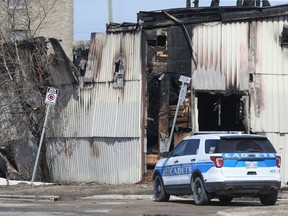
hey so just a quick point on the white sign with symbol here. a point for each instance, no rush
(51, 96)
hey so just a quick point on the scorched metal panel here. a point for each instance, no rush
(221, 51)
(106, 50)
(103, 160)
(101, 111)
(269, 89)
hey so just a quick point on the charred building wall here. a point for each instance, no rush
(235, 85)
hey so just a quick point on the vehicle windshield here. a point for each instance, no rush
(239, 146)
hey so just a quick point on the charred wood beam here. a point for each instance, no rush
(188, 3)
(156, 19)
(196, 3)
(255, 14)
(258, 3)
(186, 34)
(266, 3)
(215, 3)
(239, 3)
(249, 3)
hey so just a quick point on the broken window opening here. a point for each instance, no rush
(161, 40)
(118, 78)
(284, 36)
(220, 112)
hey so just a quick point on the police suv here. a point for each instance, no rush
(220, 166)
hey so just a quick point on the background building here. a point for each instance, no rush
(22, 19)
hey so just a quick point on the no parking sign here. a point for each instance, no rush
(51, 96)
(50, 99)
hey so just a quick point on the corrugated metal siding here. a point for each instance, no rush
(105, 50)
(280, 143)
(228, 53)
(103, 160)
(269, 89)
(269, 93)
(97, 134)
(101, 111)
(222, 56)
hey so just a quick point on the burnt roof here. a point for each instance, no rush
(159, 18)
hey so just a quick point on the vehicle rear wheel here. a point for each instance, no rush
(225, 199)
(269, 199)
(160, 194)
(201, 197)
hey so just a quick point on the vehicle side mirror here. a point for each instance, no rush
(164, 154)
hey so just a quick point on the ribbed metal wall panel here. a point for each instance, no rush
(101, 111)
(103, 160)
(105, 50)
(221, 52)
(227, 54)
(96, 134)
(269, 93)
(280, 144)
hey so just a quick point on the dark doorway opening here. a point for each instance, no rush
(220, 112)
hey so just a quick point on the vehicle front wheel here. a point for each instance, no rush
(269, 199)
(160, 194)
(199, 192)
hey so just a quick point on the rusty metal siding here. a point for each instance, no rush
(269, 92)
(221, 52)
(103, 160)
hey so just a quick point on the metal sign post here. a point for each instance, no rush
(50, 99)
(185, 81)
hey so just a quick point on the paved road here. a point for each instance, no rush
(140, 207)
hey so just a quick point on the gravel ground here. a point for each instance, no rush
(75, 191)
(72, 191)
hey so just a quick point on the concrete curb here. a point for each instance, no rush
(126, 197)
(118, 197)
(30, 197)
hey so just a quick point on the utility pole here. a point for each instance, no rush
(110, 11)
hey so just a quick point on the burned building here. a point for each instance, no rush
(121, 119)
(236, 59)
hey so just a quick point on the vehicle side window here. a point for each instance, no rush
(211, 146)
(179, 149)
(192, 147)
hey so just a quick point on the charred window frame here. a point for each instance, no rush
(118, 76)
(160, 41)
(159, 44)
(284, 36)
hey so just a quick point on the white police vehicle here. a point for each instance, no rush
(220, 166)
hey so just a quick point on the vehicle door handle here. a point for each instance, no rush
(176, 161)
(193, 159)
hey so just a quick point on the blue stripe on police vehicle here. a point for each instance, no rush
(185, 169)
(263, 159)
